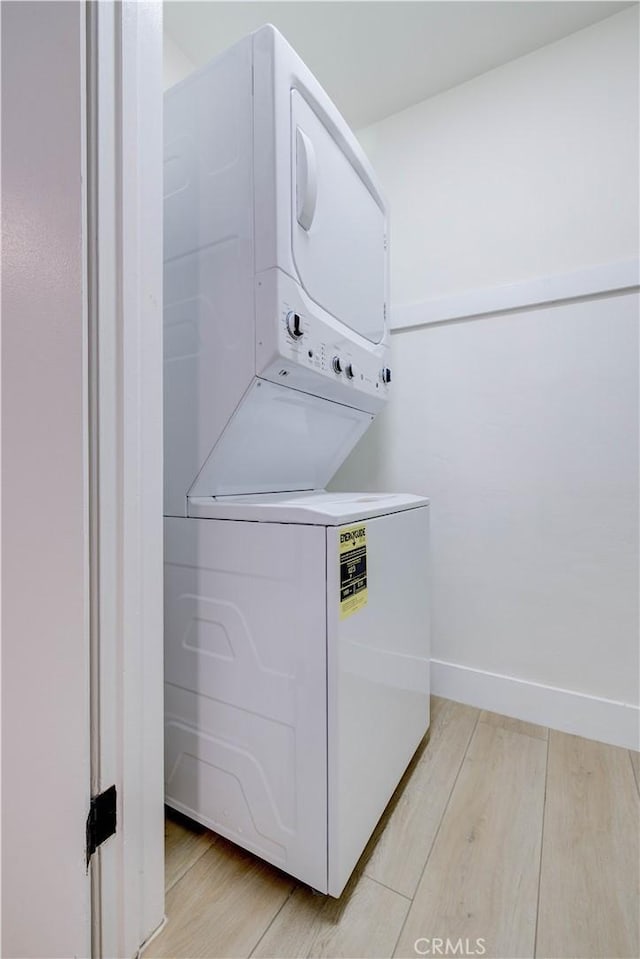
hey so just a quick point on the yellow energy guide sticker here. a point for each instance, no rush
(353, 569)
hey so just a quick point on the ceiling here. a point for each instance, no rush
(376, 57)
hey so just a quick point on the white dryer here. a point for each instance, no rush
(296, 621)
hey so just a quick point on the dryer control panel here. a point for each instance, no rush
(300, 345)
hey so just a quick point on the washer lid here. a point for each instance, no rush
(279, 439)
(312, 508)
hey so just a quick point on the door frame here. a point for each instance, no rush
(82, 676)
(124, 279)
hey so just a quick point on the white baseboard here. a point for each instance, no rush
(589, 716)
(603, 280)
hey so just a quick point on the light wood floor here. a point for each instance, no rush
(512, 838)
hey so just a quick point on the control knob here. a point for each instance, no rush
(349, 371)
(336, 363)
(294, 325)
(385, 374)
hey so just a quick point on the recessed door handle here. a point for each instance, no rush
(306, 180)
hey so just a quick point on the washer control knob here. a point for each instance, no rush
(336, 363)
(349, 371)
(385, 374)
(294, 325)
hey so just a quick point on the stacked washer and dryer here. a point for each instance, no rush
(296, 620)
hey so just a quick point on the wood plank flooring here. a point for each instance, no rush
(589, 889)
(481, 879)
(504, 838)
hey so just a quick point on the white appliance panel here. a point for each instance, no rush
(378, 681)
(213, 776)
(277, 72)
(280, 439)
(207, 154)
(209, 343)
(317, 508)
(338, 228)
(200, 289)
(309, 360)
(245, 675)
(231, 282)
(288, 728)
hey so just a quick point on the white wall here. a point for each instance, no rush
(528, 170)
(45, 637)
(522, 427)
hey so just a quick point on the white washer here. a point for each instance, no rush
(296, 621)
(289, 719)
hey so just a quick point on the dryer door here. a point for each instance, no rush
(338, 229)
